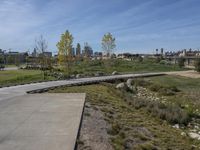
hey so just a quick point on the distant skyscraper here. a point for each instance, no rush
(87, 51)
(78, 50)
(73, 51)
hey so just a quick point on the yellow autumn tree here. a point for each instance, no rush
(65, 50)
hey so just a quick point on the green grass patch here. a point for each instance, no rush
(123, 66)
(13, 77)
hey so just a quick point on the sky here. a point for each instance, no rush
(139, 26)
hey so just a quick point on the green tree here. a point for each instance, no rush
(181, 62)
(2, 62)
(140, 59)
(65, 50)
(197, 65)
(108, 44)
(10, 59)
(1, 59)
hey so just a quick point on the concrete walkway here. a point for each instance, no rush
(11, 92)
(11, 68)
(40, 121)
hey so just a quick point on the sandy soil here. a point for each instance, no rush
(190, 73)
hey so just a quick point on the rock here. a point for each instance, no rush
(120, 86)
(129, 83)
(176, 126)
(72, 76)
(194, 146)
(115, 73)
(99, 74)
(130, 86)
(183, 133)
(194, 135)
(78, 76)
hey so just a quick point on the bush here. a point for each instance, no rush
(174, 89)
(115, 129)
(164, 90)
(141, 82)
(140, 59)
(170, 113)
(2, 67)
(197, 65)
(155, 87)
(164, 62)
(181, 62)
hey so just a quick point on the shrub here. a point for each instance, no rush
(114, 130)
(140, 59)
(197, 65)
(174, 89)
(164, 62)
(141, 82)
(166, 92)
(181, 62)
(155, 87)
(171, 113)
(163, 90)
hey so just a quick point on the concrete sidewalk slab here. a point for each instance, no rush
(40, 121)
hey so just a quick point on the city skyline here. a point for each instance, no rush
(138, 26)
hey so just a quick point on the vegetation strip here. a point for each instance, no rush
(128, 127)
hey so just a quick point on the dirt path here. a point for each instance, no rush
(189, 73)
(93, 134)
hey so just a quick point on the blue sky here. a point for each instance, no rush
(139, 26)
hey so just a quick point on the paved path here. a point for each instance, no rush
(189, 73)
(40, 121)
(11, 68)
(13, 91)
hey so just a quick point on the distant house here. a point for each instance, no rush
(127, 56)
(47, 54)
(15, 57)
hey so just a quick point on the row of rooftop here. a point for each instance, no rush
(88, 52)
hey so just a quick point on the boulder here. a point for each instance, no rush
(78, 76)
(129, 83)
(194, 135)
(176, 126)
(120, 86)
(115, 73)
(72, 76)
(131, 87)
(183, 134)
